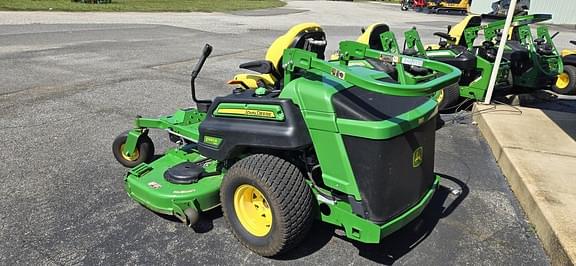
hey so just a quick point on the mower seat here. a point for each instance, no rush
(445, 36)
(371, 36)
(307, 36)
(457, 31)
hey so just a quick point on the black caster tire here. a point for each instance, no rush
(192, 216)
(144, 150)
(449, 97)
(267, 204)
(566, 83)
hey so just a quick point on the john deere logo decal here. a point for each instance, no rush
(246, 112)
(417, 157)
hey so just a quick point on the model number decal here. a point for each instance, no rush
(412, 61)
(214, 141)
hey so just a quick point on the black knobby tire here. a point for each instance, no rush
(144, 146)
(450, 99)
(288, 196)
(570, 71)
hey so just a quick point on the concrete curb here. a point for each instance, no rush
(525, 168)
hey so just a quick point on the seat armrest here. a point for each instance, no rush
(445, 36)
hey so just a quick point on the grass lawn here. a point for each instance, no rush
(140, 5)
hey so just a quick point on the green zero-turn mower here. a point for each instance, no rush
(476, 64)
(528, 64)
(533, 62)
(343, 144)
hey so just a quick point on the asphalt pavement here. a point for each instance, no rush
(66, 90)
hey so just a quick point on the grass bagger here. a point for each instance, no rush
(344, 144)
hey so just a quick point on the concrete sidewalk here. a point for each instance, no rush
(536, 151)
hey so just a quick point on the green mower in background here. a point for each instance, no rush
(348, 145)
(528, 64)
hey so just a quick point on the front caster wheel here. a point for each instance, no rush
(144, 150)
(267, 204)
(192, 216)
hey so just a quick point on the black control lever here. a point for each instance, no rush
(201, 104)
(206, 51)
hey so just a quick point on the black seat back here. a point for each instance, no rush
(374, 40)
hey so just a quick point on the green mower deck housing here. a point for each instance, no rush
(364, 142)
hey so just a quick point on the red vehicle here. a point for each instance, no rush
(417, 5)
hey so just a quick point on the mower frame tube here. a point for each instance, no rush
(296, 58)
(181, 123)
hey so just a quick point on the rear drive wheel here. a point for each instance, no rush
(566, 82)
(266, 203)
(448, 97)
(144, 150)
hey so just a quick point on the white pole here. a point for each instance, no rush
(500, 53)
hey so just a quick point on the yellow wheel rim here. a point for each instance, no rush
(563, 81)
(440, 96)
(133, 157)
(252, 210)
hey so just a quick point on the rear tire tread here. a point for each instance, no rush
(285, 183)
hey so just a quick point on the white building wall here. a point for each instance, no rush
(563, 11)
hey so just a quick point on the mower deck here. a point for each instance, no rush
(148, 185)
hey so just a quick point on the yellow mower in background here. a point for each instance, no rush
(566, 82)
(455, 34)
(449, 6)
(307, 36)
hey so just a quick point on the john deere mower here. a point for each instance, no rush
(534, 60)
(344, 144)
(566, 83)
(528, 63)
(476, 65)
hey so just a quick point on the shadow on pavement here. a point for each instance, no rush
(204, 225)
(392, 248)
(397, 244)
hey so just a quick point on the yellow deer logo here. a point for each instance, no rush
(417, 157)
